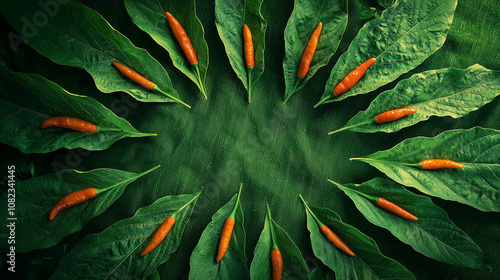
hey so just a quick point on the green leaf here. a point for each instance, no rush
(230, 16)
(149, 15)
(36, 197)
(29, 99)
(368, 263)
(433, 234)
(78, 36)
(305, 18)
(444, 92)
(477, 184)
(234, 263)
(401, 39)
(115, 252)
(294, 266)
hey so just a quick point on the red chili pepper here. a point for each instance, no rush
(393, 115)
(439, 163)
(352, 78)
(72, 199)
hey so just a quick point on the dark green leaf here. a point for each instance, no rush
(401, 39)
(78, 36)
(230, 16)
(149, 15)
(234, 263)
(35, 197)
(476, 184)
(433, 234)
(445, 92)
(28, 99)
(305, 18)
(368, 263)
(115, 252)
(294, 266)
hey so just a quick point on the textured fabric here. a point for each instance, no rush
(277, 151)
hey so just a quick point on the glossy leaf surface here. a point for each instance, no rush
(234, 263)
(445, 92)
(305, 18)
(230, 16)
(401, 39)
(115, 252)
(476, 184)
(29, 99)
(36, 196)
(149, 15)
(78, 36)
(368, 263)
(433, 234)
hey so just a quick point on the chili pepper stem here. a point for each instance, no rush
(108, 129)
(298, 80)
(274, 244)
(320, 224)
(321, 101)
(348, 127)
(249, 81)
(174, 98)
(202, 87)
(233, 213)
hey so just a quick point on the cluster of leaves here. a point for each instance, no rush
(80, 37)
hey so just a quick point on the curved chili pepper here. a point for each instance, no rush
(439, 163)
(70, 123)
(72, 199)
(308, 54)
(134, 76)
(391, 206)
(182, 38)
(160, 234)
(393, 115)
(352, 78)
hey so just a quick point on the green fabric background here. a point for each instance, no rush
(277, 151)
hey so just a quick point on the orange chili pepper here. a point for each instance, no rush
(72, 199)
(160, 234)
(439, 163)
(393, 115)
(308, 54)
(182, 38)
(352, 78)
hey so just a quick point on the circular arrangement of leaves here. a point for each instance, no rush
(276, 151)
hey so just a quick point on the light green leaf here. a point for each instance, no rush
(115, 252)
(401, 39)
(29, 99)
(444, 92)
(305, 18)
(433, 234)
(80, 37)
(36, 197)
(477, 184)
(234, 263)
(230, 16)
